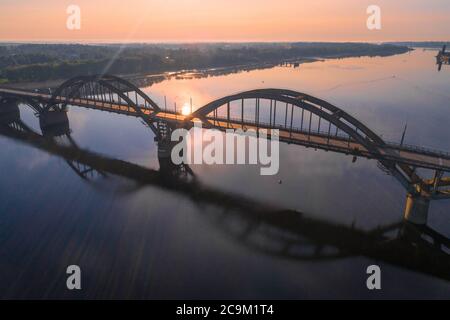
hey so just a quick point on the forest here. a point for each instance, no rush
(41, 62)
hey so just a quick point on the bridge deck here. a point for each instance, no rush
(417, 157)
(411, 155)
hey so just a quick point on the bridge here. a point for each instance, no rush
(299, 119)
(443, 57)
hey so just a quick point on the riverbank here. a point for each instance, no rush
(31, 64)
(145, 80)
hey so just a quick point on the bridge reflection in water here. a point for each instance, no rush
(279, 232)
(299, 118)
(442, 58)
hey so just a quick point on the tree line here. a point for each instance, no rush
(40, 62)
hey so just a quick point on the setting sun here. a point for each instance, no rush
(186, 109)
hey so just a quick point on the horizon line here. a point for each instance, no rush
(142, 41)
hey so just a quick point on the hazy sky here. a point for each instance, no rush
(224, 20)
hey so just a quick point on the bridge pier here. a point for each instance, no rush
(165, 149)
(54, 123)
(163, 139)
(416, 209)
(167, 168)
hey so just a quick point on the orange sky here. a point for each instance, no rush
(223, 20)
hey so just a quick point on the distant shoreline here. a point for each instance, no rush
(148, 78)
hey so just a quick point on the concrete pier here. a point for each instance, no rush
(54, 123)
(416, 210)
(165, 149)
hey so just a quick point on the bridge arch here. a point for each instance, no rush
(297, 112)
(333, 116)
(103, 89)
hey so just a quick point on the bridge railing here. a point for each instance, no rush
(418, 149)
(294, 129)
(339, 136)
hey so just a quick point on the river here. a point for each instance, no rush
(151, 242)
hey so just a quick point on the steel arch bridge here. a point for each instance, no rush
(105, 88)
(102, 92)
(298, 118)
(293, 106)
(307, 120)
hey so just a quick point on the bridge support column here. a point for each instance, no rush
(165, 144)
(416, 210)
(167, 168)
(165, 149)
(54, 123)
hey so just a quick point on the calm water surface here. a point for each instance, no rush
(148, 241)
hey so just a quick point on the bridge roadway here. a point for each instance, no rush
(404, 154)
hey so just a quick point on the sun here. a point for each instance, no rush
(186, 109)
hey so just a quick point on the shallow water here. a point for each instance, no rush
(152, 240)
